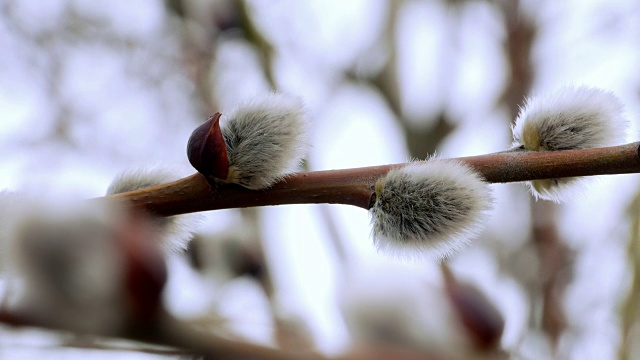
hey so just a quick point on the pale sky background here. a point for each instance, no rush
(88, 89)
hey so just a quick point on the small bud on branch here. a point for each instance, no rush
(207, 151)
(481, 319)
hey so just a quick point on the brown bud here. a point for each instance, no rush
(207, 150)
(481, 319)
(144, 267)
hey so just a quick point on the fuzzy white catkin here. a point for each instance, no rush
(266, 139)
(571, 118)
(434, 207)
(69, 268)
(175, 232)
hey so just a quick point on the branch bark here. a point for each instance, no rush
(356, 186)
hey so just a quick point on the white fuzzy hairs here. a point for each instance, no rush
(435, 207)
(175, 231)
(266, 139)
(573, 117)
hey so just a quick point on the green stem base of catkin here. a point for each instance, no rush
(356, 186)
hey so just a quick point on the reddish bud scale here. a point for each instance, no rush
(483, 322)
(207, 150)
(145, 270)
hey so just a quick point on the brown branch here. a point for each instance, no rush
(356, 186)
(164, 330)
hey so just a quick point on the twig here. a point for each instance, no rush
(356, 186)
(165, 330)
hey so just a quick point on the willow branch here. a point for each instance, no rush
(356, 186)
(164, 330)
